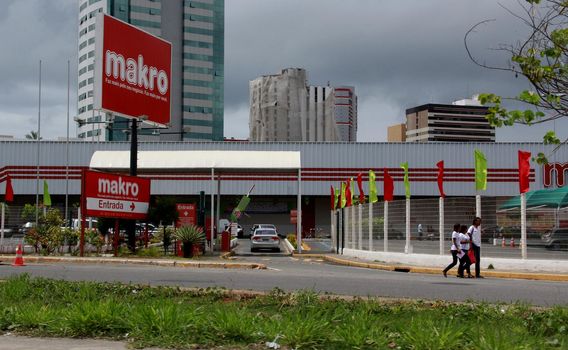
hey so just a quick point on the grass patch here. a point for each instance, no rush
(173, 318)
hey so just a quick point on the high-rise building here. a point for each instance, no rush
(396, 133)
(196, 30)
(453, 123)
(284, 108)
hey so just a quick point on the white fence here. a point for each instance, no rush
(386, 227)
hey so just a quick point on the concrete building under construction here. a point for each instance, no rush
(284, 108)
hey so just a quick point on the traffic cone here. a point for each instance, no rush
(503, 244)
(512, 242)
(19, 261)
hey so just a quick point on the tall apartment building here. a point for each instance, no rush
(455, 122)
(284, 108)
(196, 30)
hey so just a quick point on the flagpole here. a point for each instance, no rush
(523, 226)
(38, 137)
(407, 248)
(386, 227)
(441, 227)
(67, 150)
(478, 205)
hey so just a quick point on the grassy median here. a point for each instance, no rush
(173, 318)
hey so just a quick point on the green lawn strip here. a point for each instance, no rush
(174, 318)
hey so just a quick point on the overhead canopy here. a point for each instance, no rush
(197, 160)
(557, 198)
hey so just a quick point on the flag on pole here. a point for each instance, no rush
(46, 196)
(372, 188)
(404, 166)
(332, 197)
(524, 171)
(343, 195)
(480, 171)
(360, 184)
(240, 208)
(440, 166)
(348, 194)
(389, 186)
(352, 189)
(9, 194)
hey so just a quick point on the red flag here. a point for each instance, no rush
(440, 166)
(360, 184)
(348, 193)
(389, 186)
(9, 196)
(332, 197)
(524, 171)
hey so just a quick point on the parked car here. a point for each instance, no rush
(556, 239)
(265, 238)
(269, 226)
(25, 228)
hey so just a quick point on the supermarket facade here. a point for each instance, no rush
(276, 188)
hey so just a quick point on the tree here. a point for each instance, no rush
(32, 135)
(542, 57)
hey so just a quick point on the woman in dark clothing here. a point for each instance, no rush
(464, 259)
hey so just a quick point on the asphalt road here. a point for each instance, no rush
(291, 274)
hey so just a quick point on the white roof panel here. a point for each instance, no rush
(260, 160)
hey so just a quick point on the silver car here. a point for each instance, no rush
(264, 238)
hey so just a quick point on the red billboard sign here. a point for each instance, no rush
(132, 71)
(187, 214)
(115, 196)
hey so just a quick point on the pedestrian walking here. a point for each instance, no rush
(465, 263)
(474, 232)
(454, 249)
(420, 231)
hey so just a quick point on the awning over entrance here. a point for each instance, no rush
(198, 160)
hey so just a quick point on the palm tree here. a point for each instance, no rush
(32, 135)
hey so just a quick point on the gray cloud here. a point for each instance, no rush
(397, 54)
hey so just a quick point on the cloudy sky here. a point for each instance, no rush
(397, 54)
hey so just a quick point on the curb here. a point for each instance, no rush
(164, 263)
(435, 271)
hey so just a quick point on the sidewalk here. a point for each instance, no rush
(219, 262)
(400, 262)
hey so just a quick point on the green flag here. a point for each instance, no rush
(372, 188)
(480, 171)
(336, 199)
(406, 182)
(343, 198)
(237, 212)
(46, 196)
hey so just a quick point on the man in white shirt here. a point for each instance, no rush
(475, 233)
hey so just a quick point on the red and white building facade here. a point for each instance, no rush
(274, 195)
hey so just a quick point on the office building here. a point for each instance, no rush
(397, 133)
(451, 123)
(196, 30)
(283, 107)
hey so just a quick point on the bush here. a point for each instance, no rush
(151, 252)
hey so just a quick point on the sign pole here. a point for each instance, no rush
(2, 230)
(523, 226)
(82, 214)
(116, 235)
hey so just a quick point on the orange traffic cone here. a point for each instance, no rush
(19, 261)
(512, 242)
(503, 244)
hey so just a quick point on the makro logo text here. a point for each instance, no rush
(118, 187)
(135, 72)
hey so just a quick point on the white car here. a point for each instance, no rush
(264, 238)
(257, 226)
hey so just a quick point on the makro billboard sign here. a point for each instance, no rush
(115, 196)
(132, 71)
